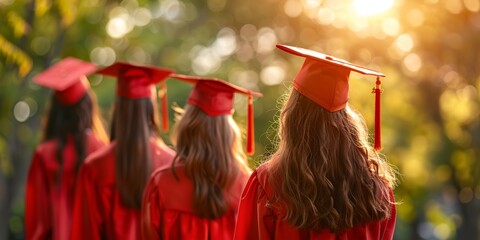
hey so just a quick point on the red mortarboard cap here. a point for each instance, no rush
(139, 82)
(324, 80)
(67, 78)
(215, 97)
(135, 81)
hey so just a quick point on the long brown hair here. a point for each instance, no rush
(330, 177)
(210, 148)
(73, 120)
(133, 123)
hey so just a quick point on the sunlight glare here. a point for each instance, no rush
(372, 7)
(313, 3)
(118, 27)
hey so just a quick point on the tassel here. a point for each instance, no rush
(250, 127)
(163, 96)
(377, 134)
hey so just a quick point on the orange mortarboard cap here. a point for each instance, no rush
(324, 80)
(136, 81)
(67, 79)
(215, 97)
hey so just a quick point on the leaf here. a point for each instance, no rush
(42, 6)
(16, 55)
(19, 25)
(68, 11)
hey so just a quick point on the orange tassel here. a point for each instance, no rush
(163, 96)
(250, 127)
(377, 134)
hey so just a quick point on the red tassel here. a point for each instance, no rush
(250, 127)
(163, 95)
(377, 134)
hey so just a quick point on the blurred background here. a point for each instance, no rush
(429, 50)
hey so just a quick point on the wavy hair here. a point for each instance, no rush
(73, 120)
(330, 175)
(210, 148)
(134, 122)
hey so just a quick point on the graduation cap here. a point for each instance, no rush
(67, 78)
(136, 82)
(324, 80)
(215, 97)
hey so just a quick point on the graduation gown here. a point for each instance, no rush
(257, 221)
(50, 194)
(167, 211)
(99, 212)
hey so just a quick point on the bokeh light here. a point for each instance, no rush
(205, 60)
(391, 26)
(103, 56)
(371, 7)
(412, 62)
(292, 8)
(312, 3)
(41, 45)
(244, 78)
(266, 40)
(216, 5)
(273, 74)
(138, 55)
(21, 111)
(453, 6)
(142, 16)
(405, 43)
(32, 105)
(415, 17)
(171, 10)
(226, 42)
(472, 5)
(6, 2)
(326, 16)
(119, 26)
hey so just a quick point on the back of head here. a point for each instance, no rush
(73, 120)
(133, 124)
(68, 119)
(210, 148)
(330, 176)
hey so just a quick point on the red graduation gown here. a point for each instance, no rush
(48, 203)
(256, 221)
(99, 212)
(167, 211)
